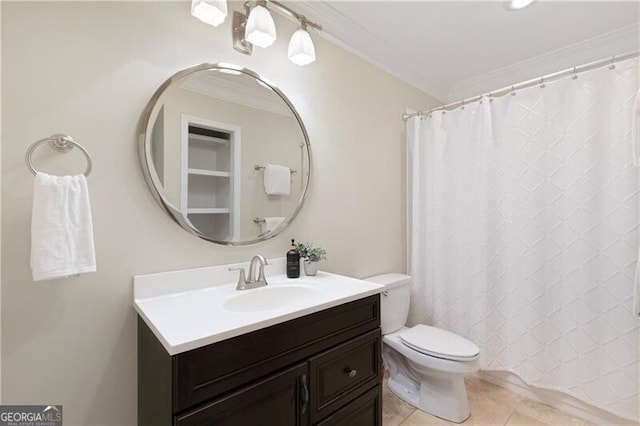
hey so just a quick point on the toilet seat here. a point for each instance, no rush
(439, 343)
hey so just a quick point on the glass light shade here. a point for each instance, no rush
(260, 30)
(212, 12)
(301, 49)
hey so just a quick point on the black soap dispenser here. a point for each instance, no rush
(293, 261)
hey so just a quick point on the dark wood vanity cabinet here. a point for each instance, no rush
(324, 368)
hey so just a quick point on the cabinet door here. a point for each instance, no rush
(364, 411)
(281, 399)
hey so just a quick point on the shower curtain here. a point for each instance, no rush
(523, 236)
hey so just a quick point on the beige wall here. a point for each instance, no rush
(88, 69)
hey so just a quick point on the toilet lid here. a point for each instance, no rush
(439, 343)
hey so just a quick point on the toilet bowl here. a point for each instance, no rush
(427, 365)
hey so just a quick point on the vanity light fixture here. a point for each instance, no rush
(256, 27)
(301, 50)
(260, 30)
(212, 12)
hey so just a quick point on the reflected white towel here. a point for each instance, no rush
(61, 227)
(277, 180)
(270, 223)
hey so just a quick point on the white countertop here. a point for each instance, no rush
(186, 316)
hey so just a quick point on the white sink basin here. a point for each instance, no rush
(271, 297)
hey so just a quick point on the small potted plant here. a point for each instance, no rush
(311, 256)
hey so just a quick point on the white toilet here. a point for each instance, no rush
(427, 365)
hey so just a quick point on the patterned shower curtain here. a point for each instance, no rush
(524, 233)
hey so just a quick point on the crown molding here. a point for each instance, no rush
(620, 41)
(337, 28)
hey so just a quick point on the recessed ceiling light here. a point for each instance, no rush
(517, 4)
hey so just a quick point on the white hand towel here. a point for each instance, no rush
(61, 227)
(277, 180)
(270, 223)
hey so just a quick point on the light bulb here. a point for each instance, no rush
(301, 50)
(212, 12)
(260, 30)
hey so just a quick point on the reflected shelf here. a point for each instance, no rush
(207, 210)
(203, 138)
(204, 172)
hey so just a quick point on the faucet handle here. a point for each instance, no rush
(242, 279)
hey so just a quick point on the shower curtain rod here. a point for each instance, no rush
(529, 83)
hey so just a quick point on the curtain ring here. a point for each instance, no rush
(513, 91)
(612, 66)
(490, 96)
(542, 82)
(575, 74)
(462, 106)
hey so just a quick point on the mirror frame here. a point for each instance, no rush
(146, 161)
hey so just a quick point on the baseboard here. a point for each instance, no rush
(555, 399)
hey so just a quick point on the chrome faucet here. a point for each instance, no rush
(253, 281)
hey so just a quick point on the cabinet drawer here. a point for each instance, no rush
(205, 373)
(342, 373)
(364, 411)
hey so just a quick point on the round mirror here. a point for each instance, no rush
(225, 154)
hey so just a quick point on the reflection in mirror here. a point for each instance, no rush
(225, 153)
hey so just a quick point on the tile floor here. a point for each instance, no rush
(489, 404)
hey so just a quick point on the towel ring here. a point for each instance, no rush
(61, 143)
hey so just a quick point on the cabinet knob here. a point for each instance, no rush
(350, 372)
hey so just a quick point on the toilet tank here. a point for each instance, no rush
(394, 308)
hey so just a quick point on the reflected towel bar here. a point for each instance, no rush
(258, 167)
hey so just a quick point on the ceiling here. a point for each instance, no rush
(458, 49)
